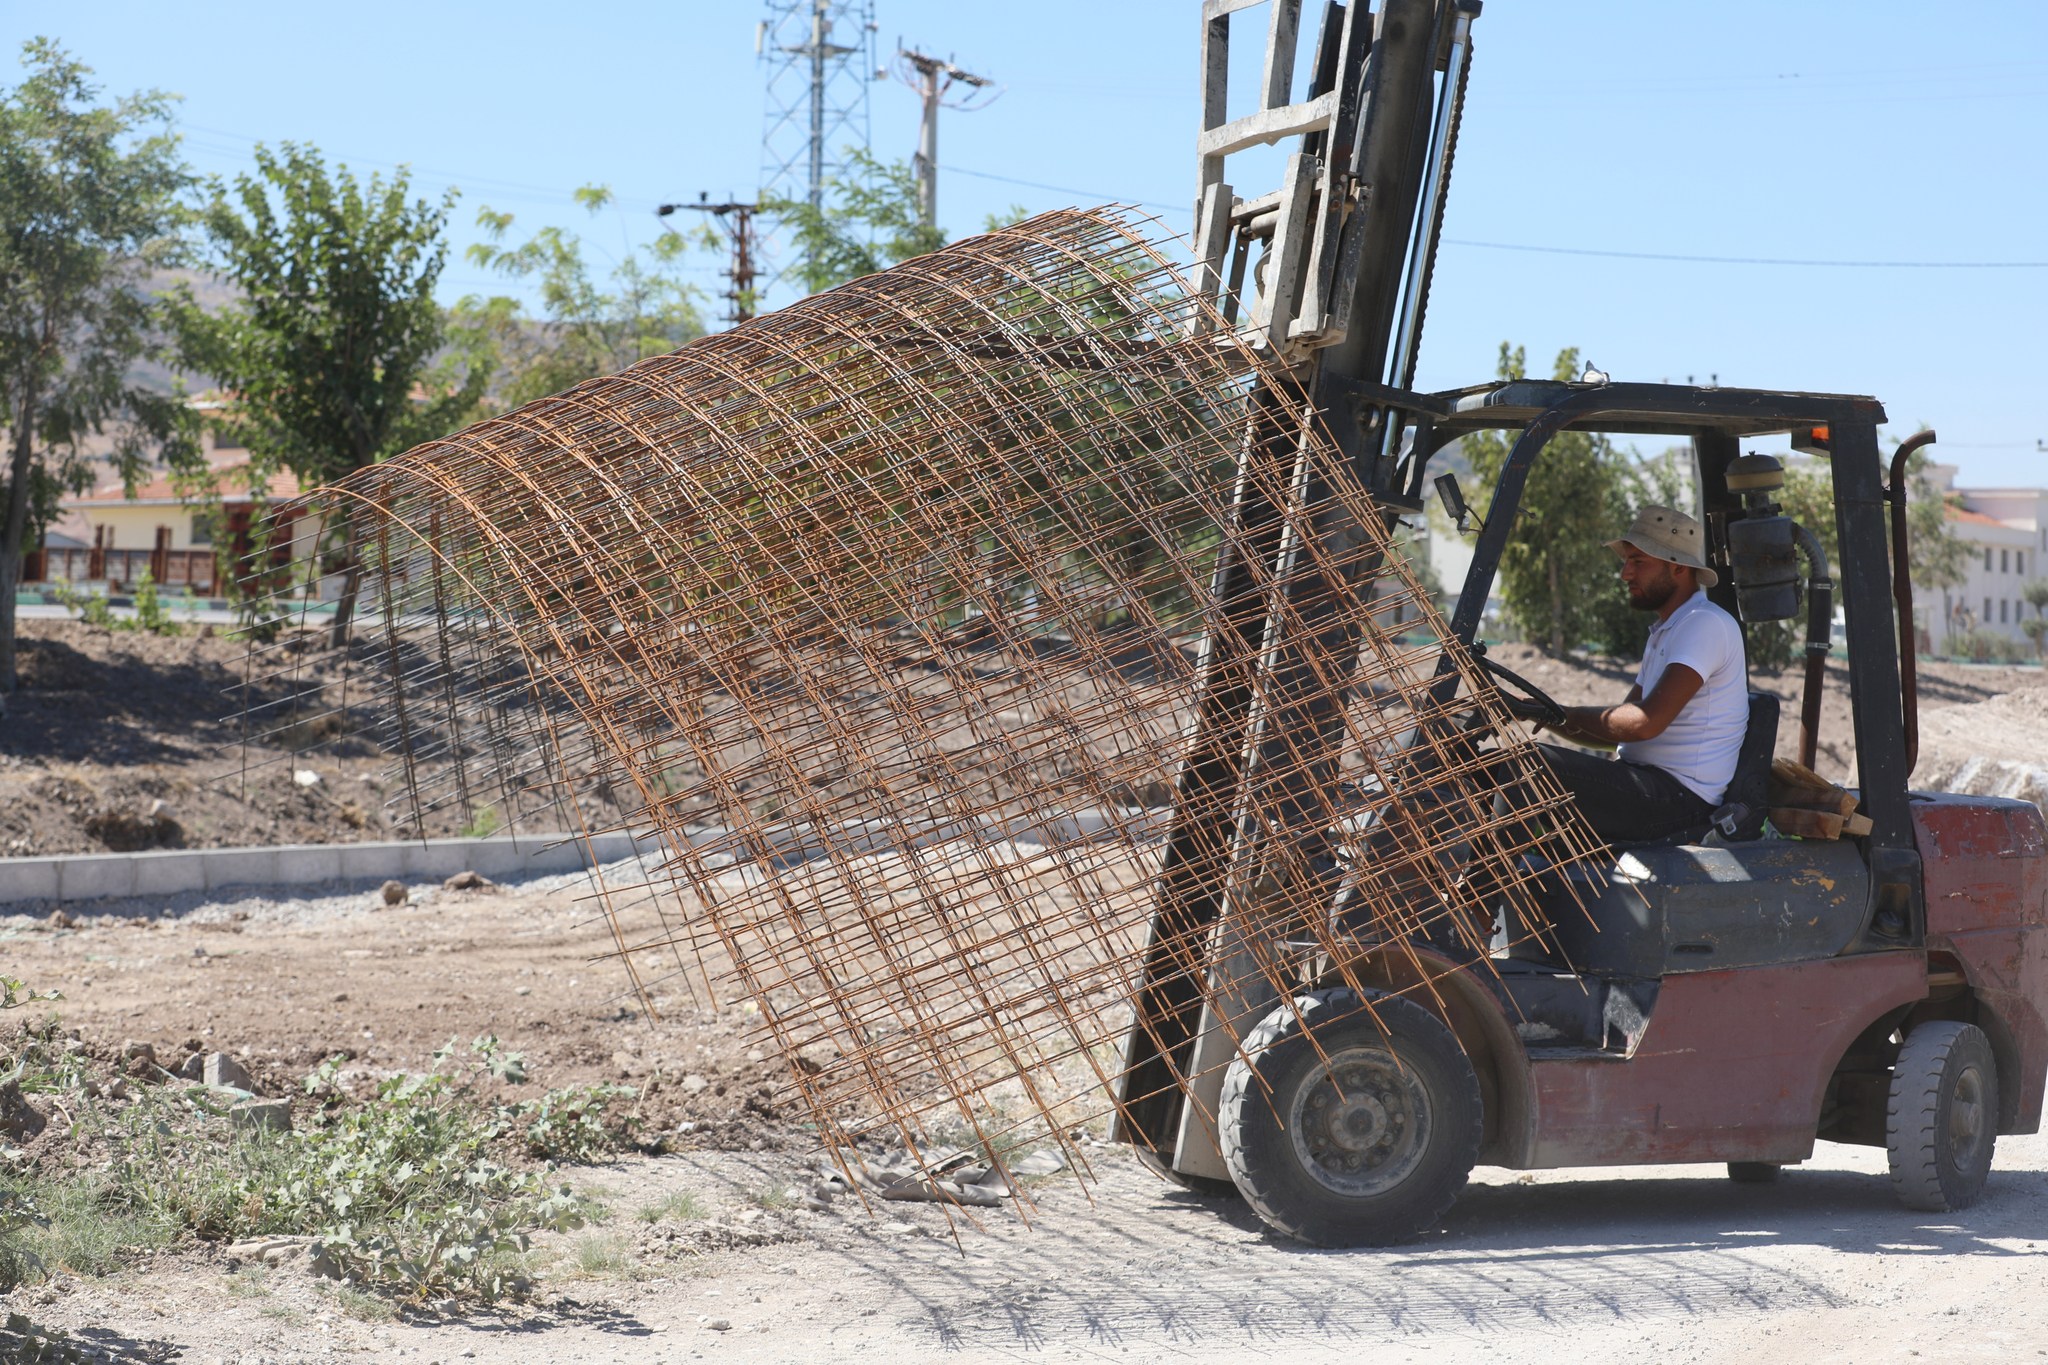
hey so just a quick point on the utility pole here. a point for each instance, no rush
(932, 78)
(737, 220)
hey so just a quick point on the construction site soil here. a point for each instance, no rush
(1672, 1263)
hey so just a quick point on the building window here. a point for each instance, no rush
(2004, 562)
(2001, 610)
(2019, 561)
(202, 531)
(1987, 565)
(1987, 606)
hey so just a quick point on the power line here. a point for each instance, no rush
(1750, 260)
(1069, 189)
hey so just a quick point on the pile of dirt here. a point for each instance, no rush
(121, 741)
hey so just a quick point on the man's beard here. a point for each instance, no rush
(1651, 596)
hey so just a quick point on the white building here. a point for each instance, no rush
(2006, 530)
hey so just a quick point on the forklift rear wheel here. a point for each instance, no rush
(1753, 1172)
(1196, 1184)
(1363, 1136)
(1943, 1117)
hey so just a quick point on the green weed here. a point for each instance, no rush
(602, 1256)
(582, 1123)
(681, 1206)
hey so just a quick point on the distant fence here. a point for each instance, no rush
(120, 569)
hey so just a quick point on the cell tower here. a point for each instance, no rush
(820, 56)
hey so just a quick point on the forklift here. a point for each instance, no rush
(1725, 996)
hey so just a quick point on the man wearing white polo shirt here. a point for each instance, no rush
(1677, 733)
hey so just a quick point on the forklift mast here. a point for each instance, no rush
(1346, 246)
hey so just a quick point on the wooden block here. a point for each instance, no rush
(1807, 824)
(1856, 826)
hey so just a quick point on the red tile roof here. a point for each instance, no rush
(231, 481)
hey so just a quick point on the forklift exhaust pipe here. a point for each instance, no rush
(1902, 595)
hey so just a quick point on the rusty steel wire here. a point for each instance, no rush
(891, 618)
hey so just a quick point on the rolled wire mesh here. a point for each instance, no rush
(897, 617)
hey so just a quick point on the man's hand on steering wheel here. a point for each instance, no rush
(1524, 708)
(1522, 698)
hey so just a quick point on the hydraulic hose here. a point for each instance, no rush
(1820, 631)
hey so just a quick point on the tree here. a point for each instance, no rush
(1936, 556)
(88, 210)
(588, 329)
(869, 223)
(2035, 592)
(330, 351)
(1557, 576)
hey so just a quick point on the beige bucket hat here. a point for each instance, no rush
(1672, 536)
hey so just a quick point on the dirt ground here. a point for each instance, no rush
(1671, 1263)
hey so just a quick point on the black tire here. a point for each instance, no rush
(1367, 1149)
(1942, 1121)
(1206, 1185)
(1754, 1172)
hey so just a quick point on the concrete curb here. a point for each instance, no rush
(96, 876)
(100, 876)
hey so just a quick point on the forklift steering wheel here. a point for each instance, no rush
(1552, 713)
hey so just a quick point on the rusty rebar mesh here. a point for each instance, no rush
(891, 616)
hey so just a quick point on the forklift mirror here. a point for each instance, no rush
(1453, 499)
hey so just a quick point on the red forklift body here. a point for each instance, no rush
(1986, 864)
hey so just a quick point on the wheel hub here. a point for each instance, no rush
(1966, 1119)
(1360, 1124)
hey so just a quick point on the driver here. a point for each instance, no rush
(1677, 733)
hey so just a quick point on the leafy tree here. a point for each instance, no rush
(1557, 576)
(2035, 592)
(88, 209)
(589, 327)
(331, 348)
(1936, 555)
(869, 222)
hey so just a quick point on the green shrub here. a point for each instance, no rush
(402, 1191)
(581, 1123)
(18, 1212)
(150, 614)
(93, 610)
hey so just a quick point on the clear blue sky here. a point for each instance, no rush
(1751, 128)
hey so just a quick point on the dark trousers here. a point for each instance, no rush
(1624, 802)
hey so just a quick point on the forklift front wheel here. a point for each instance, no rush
(1363, 1136)
(1943, 1116)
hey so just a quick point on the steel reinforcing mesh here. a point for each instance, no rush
(898, 617)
